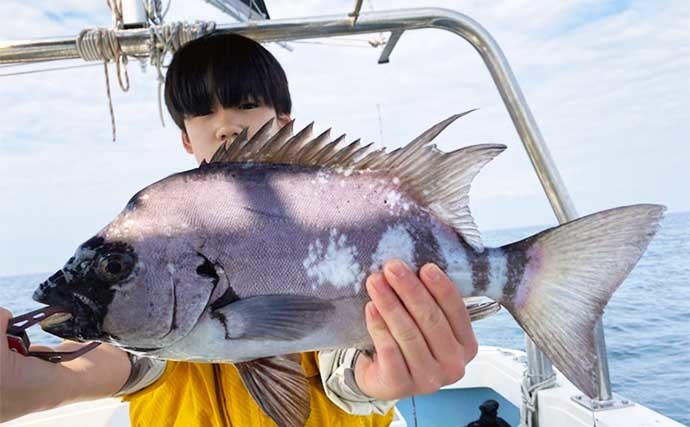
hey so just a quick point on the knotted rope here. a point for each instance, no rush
(529, 397)
(169, 38)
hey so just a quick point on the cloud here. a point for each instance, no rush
(606, 82)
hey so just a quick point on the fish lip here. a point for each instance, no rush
(84, 323)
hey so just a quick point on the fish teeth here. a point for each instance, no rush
(86, 301)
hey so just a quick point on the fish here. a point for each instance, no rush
(261, 253)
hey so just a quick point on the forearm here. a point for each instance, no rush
(30, 384)
(97, 374)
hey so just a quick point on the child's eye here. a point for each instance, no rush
(248, 105)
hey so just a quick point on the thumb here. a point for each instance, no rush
(5, 317)
(40, 348)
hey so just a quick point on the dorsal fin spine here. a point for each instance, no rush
(272, 146)
(299, 141)
(340, 156)
(259, 140)
(313, 146)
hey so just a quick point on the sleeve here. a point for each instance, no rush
(145, 371)
(338, 377)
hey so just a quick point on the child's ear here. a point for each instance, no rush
(283, 119)
(186, 143)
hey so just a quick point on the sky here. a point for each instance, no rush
(608, 83)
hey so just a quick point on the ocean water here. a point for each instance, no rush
(647, 322)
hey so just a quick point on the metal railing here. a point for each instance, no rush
(137, 42)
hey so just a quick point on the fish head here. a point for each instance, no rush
(139, 294)
(86, 285)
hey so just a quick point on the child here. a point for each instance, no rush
(215, 87)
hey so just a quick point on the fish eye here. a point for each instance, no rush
(115, 266)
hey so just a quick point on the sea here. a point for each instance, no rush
(647, 322)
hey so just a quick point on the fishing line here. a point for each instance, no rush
(330, 44)
(19, 73)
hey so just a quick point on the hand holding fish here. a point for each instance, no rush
(421, 332)
(28, 384)
(23, 380)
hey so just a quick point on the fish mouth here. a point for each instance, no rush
(81, 317)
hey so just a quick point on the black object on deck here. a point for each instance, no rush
(489, 416)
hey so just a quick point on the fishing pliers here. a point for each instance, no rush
(19, 342)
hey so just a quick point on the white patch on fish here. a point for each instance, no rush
(344, 171)
(458, 266)
(396, 242)
(498, 274)
(335, 264)
(392, 199)
(322, 177)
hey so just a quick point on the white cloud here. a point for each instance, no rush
(607, 83)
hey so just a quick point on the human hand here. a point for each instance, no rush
(421, 332)
(23, 380)
(30, 384)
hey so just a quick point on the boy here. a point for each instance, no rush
(215, 87)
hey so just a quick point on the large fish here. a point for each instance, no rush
(263, 252)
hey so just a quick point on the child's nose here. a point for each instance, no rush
(228, 133)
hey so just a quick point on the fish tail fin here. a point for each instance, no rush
(568, 276)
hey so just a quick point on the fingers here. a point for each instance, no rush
(386, 375)
(402, 326)
(449, 299)
(425, 311)
(420, 329)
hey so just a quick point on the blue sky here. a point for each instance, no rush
(607, 83)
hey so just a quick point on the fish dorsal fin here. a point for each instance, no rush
(279, 387)
(441, 181)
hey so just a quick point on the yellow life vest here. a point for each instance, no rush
(213, 395)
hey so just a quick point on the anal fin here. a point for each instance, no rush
(279, 387)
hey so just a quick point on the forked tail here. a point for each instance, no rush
(568, 275)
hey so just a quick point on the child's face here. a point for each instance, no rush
(206, 133)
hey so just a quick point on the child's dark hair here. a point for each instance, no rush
(226, 68)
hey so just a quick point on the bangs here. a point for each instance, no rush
(224, 69)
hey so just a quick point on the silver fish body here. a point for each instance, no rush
(265, 251)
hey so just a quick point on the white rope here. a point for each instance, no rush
(169, 38)
(529, 397)
(101, 44)
(154, 11)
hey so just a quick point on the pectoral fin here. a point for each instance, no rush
(279, 387)
(282, 317)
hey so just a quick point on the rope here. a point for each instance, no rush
(154, 11)
(529, 397)
(169, 38)
(101, 44)
(414, 411)
(116, 12)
